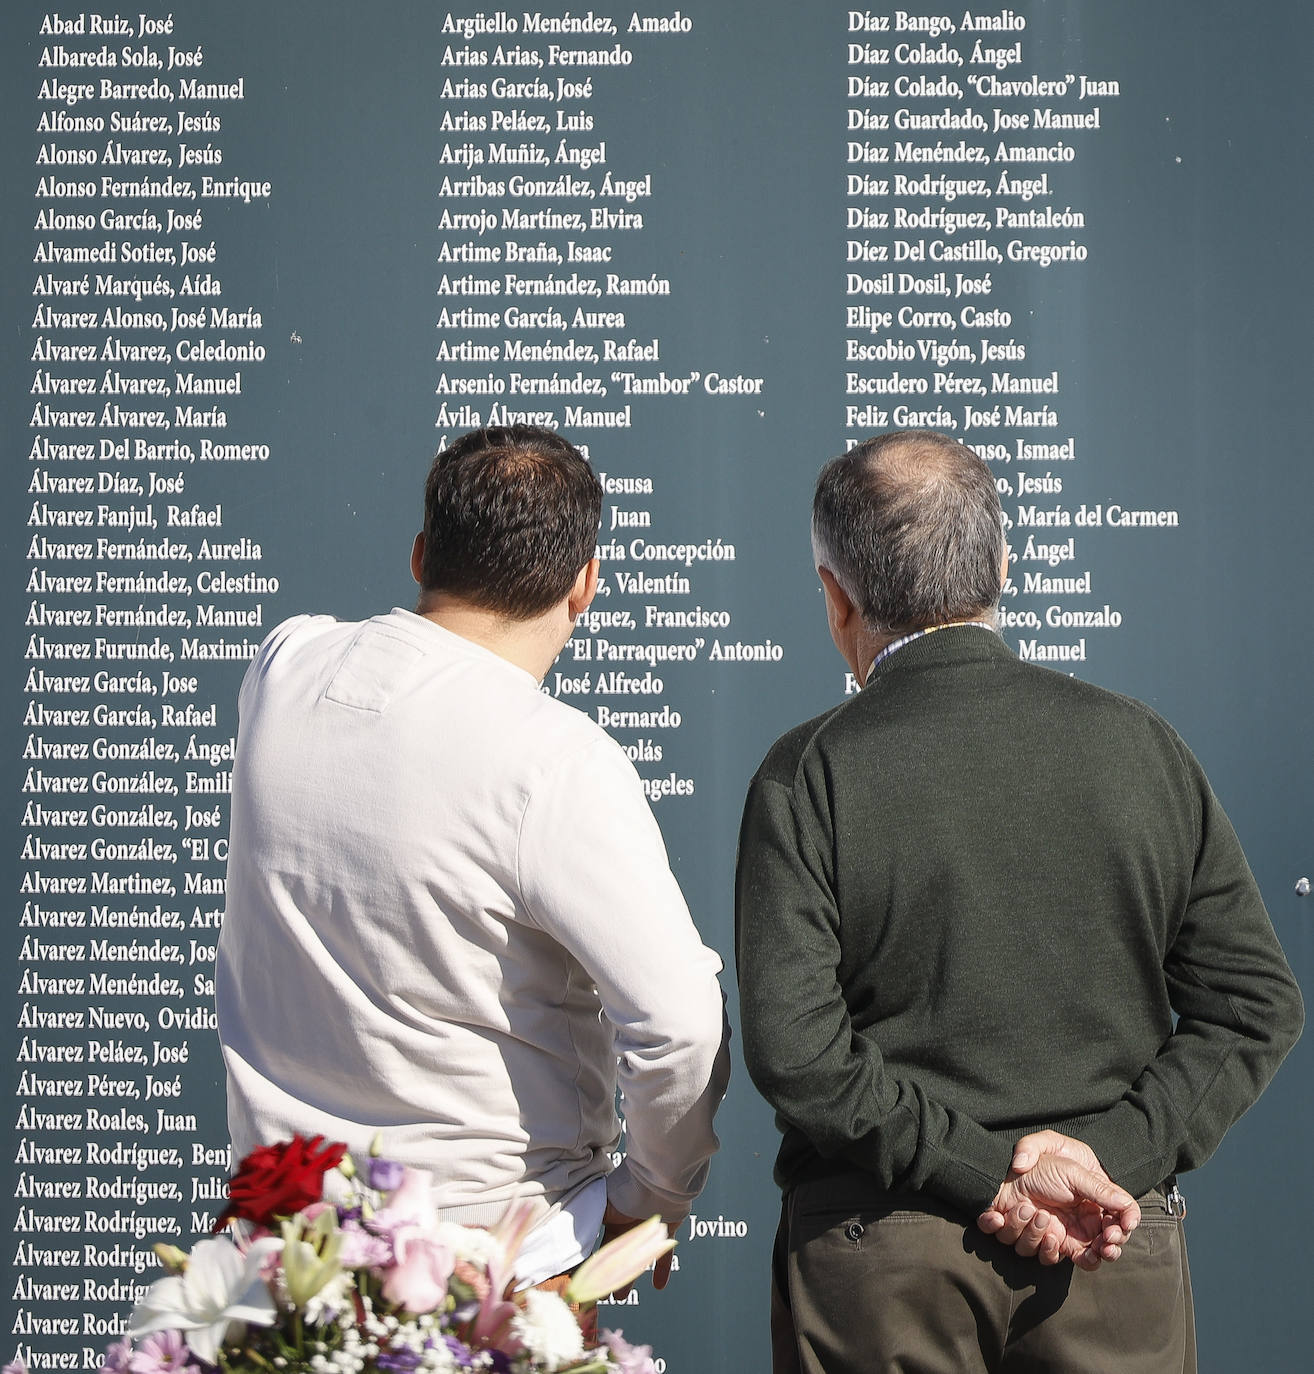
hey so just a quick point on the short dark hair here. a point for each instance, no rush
(910, 526)
(511, 515)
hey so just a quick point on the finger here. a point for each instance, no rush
(661, 1272)
(1027, 1151)
(1111, 1198)
(1098, 1189)
(1015, 1223)
(1110, 1252)
(1051, 1246)
(1087, 1260)
(1012, 1220)
(990, 1221)
(1119, 1222)
(1029, 1148)
(1029, 1241)
(1089, 1257)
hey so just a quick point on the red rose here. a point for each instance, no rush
(278, 1180)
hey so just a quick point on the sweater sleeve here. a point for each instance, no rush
(594, 875)
(1238, 1008)
(799, 1044)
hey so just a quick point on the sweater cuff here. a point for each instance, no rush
(1118, 1137)
(628, 1195)
(966, 1173)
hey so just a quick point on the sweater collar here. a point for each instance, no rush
(956, 643)
(896, 644)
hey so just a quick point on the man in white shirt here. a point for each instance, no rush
(450, 916)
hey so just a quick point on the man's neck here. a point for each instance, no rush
(863, 650)
(529, 644)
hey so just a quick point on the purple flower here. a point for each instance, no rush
(403, 1360)
(466, 1312)
(162, 1352)
(458, 1348)
(384, 1174)
(116, 1361)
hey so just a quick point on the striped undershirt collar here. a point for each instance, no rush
(895, 645)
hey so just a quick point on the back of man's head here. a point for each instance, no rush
(510, 517)
(909, 524)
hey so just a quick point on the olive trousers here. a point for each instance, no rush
(865, 1281)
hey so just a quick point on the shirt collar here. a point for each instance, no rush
(895, 645)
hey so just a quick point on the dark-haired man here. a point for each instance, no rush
(450, 916)
(998, 945)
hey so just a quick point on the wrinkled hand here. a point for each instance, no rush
(1025, 1154)
(616, 1223)
(1030, 1147)
(1058, 1203)
(1029, 1150)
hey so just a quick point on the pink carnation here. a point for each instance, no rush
(418, 1281)
(473, 1277)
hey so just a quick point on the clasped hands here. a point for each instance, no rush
(1058, 1203)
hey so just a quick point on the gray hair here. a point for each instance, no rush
(909, 524)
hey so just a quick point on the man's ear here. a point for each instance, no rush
(417, 558)
(585, 588)
(839, 605)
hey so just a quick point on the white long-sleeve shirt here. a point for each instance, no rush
(450, 918)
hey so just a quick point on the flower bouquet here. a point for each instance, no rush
(346, 1271)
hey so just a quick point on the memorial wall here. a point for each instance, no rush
(262, 260)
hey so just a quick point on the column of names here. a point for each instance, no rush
(963, 208)
(141, 583)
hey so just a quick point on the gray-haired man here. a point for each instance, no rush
(998, 945)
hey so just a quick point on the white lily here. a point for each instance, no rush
(220, 1285)
(313, 1276)
(620, 1261)
(310, 1260)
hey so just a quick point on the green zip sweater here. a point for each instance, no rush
(981, 897)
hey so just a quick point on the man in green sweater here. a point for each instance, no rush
(1003, 967)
